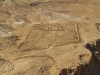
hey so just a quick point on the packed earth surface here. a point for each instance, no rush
(49, 37)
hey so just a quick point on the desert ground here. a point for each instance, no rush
(49, 37)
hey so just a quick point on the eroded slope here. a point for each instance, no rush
(49, 37)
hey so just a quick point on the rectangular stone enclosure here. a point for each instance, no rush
(98, 26)
(43, 36)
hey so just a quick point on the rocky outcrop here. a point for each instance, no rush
(91, 68)
(49, 37)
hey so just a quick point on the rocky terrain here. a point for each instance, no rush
(49, 37)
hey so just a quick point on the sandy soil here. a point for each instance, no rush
(49, 37)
